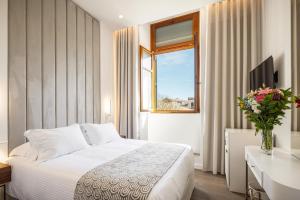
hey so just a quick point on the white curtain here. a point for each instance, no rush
(125, 59)
(233, 37)
(296, 60)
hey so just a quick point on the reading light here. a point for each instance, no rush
(121, 16)
(3, 152)
(108, 110)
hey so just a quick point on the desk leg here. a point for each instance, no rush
(246, 192)
(4, 192)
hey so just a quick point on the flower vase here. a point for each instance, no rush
(267, 141)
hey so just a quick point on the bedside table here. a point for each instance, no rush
(5, 176)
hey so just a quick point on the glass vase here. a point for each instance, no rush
(267, 141)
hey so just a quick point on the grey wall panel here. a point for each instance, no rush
(89, 69)
(54, 66)
(48, 27)
(81, 65)
(72, 64)
(34, 64)
(17, 72)
(96, 66)
(61, 63)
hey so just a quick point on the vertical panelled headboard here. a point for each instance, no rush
(54, 66)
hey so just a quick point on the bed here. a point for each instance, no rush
(57, 178)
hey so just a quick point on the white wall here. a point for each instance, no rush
(144, 35)
(177, 128)
(107, 72)
(277, 42)
(3, 78)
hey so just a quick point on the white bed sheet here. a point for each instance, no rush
(56, 179)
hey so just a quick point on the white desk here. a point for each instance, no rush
(278, 174)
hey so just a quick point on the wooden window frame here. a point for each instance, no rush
(194, 43)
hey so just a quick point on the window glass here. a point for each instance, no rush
(174, 34)
(146, 80)
(175, 81)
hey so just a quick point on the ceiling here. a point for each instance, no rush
(138, 11)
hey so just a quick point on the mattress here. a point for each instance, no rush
(57, 178)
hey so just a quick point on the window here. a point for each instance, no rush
(174, 71)
(145, 79)
(175, 82)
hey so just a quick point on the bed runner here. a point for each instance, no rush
(130, 176)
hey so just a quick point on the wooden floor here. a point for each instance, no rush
(212, 187)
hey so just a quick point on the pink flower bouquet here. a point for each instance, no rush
(265, 108)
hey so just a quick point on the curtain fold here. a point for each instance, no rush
(233, 36)
(296, 60)
(125, 59)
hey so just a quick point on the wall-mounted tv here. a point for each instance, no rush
(263, 74)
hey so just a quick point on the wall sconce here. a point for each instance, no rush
(108, 110)
(3, 152)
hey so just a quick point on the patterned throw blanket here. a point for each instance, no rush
(130, 176)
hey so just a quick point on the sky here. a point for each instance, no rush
(175, 74)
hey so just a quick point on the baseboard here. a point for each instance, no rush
(198, 166)
(198, 161)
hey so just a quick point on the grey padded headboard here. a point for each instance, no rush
(54, 66)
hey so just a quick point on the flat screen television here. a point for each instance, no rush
(263, 74)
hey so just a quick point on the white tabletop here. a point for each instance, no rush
(281, 167)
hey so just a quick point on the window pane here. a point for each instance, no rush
(176, 80)
(146, 61)
(146, 77)
(175, 33)
(146, 80)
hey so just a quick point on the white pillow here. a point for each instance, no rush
(24, 150)
(52, 143)
(100, 133)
